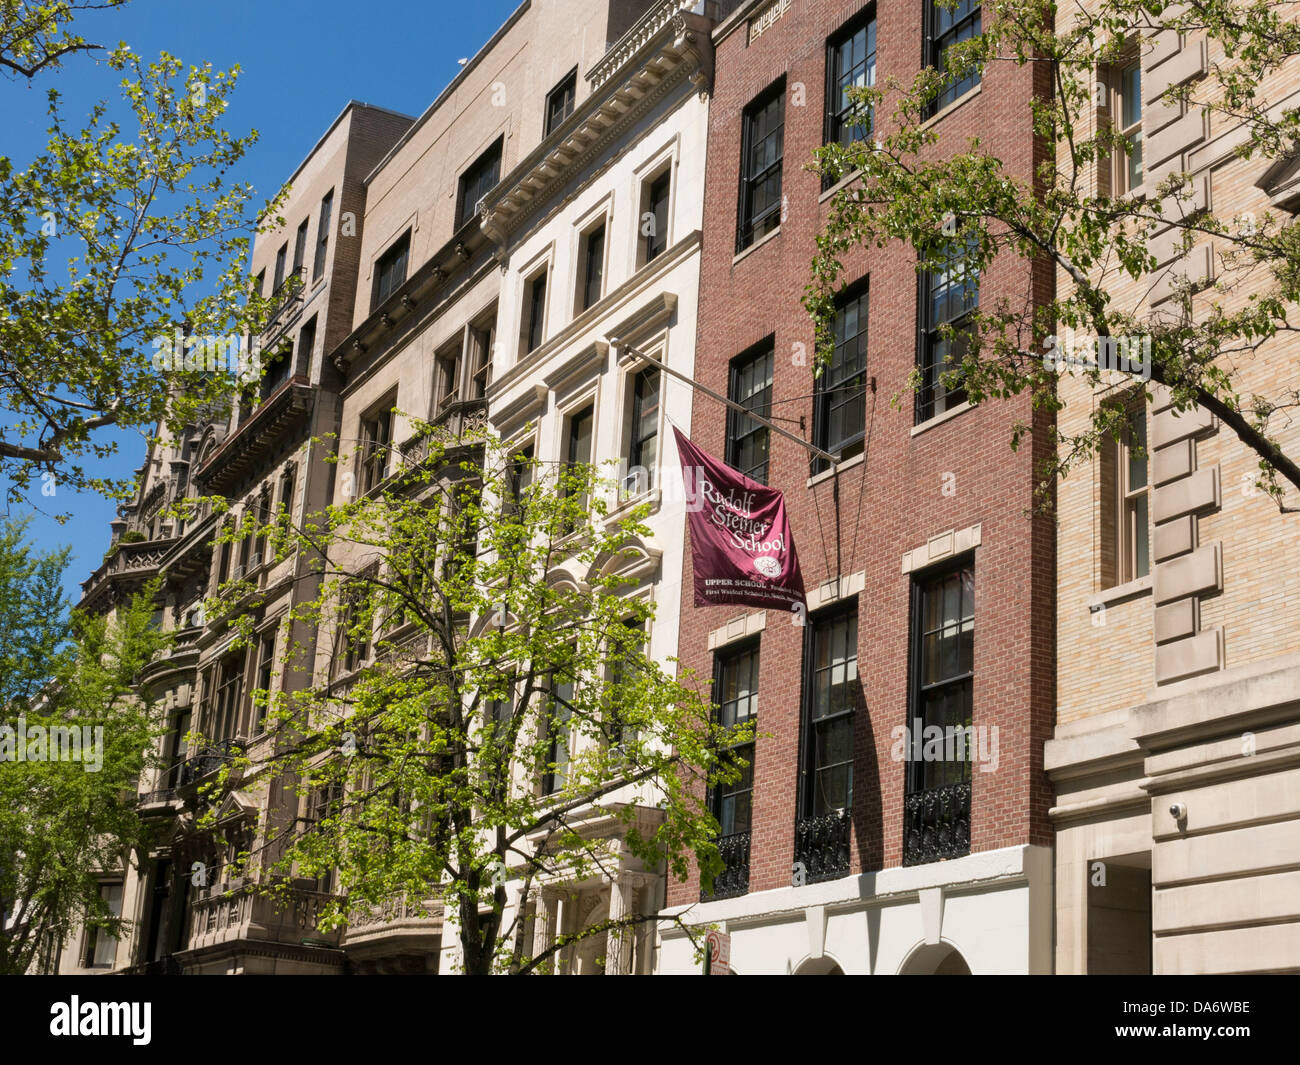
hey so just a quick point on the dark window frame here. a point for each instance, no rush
(90, 946)
(323, 234)
(748, 221)
(391, 270)
(658, 206)
(837, 110)
(477, 180)
(639, 442)
(741, 430)
(281, 264)
(593, 266)
(929, 332)
(482, 339)
(935, 43)
(300, 245)
(376, 443)
(566, 90)
(535, 305)
(264, 677)
(723, 658)
(305, 347)
(559, 737)
(808, 767)
(836, 390)
(921, 582)
(227, 696)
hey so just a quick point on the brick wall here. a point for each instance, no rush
(894, 500)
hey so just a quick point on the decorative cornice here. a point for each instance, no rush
(283, 414)
(653, 23)
(655, 57)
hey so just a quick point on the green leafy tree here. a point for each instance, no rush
(943, 198)
(36, 37)
(115, 241)
(65, 822)
(483, 694)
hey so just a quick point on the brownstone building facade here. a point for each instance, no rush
(929, 585)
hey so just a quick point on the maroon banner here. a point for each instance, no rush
(741, 544)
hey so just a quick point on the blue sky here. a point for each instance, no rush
(301, 62)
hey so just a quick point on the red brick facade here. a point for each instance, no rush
(894, 501)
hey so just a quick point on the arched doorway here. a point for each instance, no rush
(935, 959)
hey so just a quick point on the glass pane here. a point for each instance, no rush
(1141, 544)
(1131, 95)
(1135, 160)
(1137, 458)
(106, 945)
(831, 790)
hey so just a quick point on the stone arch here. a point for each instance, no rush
(633, 559)
(590, 953)
(935, 959)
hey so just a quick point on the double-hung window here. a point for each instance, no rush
(1126, 522)
(850, 64)
(559, 102)
(949, 22)
(323, 234)
(830, 698)
(300, 247)
(535, 313)
(840, 404)
(101, 947)
(376, 436)
(593, 267)
(949, 296)
(655, 215)
(1126, 117)
(644, 449)
(943, 649)
(750, 385)
(390, 270)
(559, 712)
(480, 179)
(736, 693)
(761, 152)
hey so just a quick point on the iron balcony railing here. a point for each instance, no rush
(734, 878)
(936, 824)
(821, 847)
(208, 760)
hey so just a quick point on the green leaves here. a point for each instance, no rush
(487, 713)
(65, 820)
(1064, 217)
(121, 235)
(36, 37)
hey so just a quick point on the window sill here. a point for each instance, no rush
(826, 475)
(1120, 593)
(653, 496)
(939, 419)
(961, 100)
(756, 245)
(840, 185)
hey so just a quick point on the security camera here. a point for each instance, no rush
(1178, 811)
